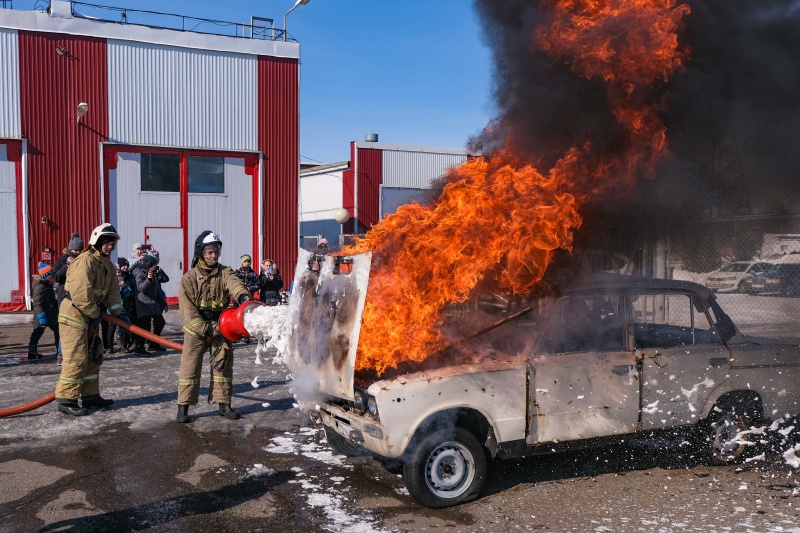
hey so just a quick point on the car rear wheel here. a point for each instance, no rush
(727, 438)
(447, 468)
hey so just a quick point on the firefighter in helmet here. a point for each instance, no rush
(91, 283)
(205, 292)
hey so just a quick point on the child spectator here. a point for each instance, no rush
(45, 311)
(126, 281)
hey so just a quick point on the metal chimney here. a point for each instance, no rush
(371, 138)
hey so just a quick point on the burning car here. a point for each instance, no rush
(614, 356)
(733, 276)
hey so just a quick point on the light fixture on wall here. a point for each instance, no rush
(83, 108)
(341, 215)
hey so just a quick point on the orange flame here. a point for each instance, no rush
(504, 215)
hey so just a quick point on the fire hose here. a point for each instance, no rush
(231, 325)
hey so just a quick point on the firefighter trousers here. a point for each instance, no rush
(80, 376)
(220, 387)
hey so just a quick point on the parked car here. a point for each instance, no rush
(615, 357)
(731, 276)
(783, 279)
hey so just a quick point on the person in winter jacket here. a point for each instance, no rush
(150, 301)
(248, 276)
(45, 311)
(270, 283)
(126, 293)
(91, 282)
(204, 293)
(61, 265)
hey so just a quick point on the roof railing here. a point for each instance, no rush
(257, 28)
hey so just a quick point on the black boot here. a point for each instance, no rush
(71, 407)
(95, 402)
(183, 414)
(226, 411)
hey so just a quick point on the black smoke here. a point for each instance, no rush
(732, 115)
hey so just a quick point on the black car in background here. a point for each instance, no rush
(781, 280)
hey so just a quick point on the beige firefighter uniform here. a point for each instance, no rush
(204, 294)
(91, 282)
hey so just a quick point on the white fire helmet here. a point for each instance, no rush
(103, 230)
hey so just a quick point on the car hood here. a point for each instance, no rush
(325, 310)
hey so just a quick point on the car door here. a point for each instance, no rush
(583, 382)
(683, 358)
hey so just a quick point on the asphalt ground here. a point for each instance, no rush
(131, 467)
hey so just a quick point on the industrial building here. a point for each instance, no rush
(162, 132)
(378, 179)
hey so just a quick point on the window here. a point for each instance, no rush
(161, 172)
(206, 174)
(585, 323)
(670, 320)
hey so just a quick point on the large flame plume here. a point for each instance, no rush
(500, 214)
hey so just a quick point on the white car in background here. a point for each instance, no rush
(731, 276)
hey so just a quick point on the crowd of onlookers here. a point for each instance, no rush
(140, 285)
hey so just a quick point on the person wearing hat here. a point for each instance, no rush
(91, 284)
(318, 257)
(61, 265)
(45, 311)
(140, 250)
(249, 277)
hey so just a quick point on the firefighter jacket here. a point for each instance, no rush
(91, 282)
(205, 293)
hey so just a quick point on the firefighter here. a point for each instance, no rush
(205, 292)
(91, 282)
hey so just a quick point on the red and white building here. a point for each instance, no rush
(378, 179)
(163, 133)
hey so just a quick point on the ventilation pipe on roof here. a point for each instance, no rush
(371, 138)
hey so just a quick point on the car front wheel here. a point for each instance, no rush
(728, 438)
(447, 468)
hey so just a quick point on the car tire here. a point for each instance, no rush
(342, 446)
(726, 444)
(448, 467)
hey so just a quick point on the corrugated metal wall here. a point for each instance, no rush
(230, 215)
(416, 169)
(279, 140)
(176, 97)
(9, 85)
(10, 280)
(369, 170)
(131, 210)
(63, 155)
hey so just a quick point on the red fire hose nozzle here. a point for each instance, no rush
(231, 321)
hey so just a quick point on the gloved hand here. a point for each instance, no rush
(124, 317)
(42, 318)
(243, 298)
(213, 330)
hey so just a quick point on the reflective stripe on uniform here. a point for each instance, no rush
(72, 321)
(239, 290)
(212, 305)
(221, 379)
(116, 308)
(193, 323)
(91, 377)
(90, 309)
(70, 380)
(188, 382)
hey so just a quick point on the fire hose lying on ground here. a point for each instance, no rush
(231, 325)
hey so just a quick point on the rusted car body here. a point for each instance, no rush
(615, 356)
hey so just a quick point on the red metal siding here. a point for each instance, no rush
(279, 141)
(370, 177)
(63, 155)
(348, 191)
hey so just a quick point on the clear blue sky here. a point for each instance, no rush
(413, 71)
